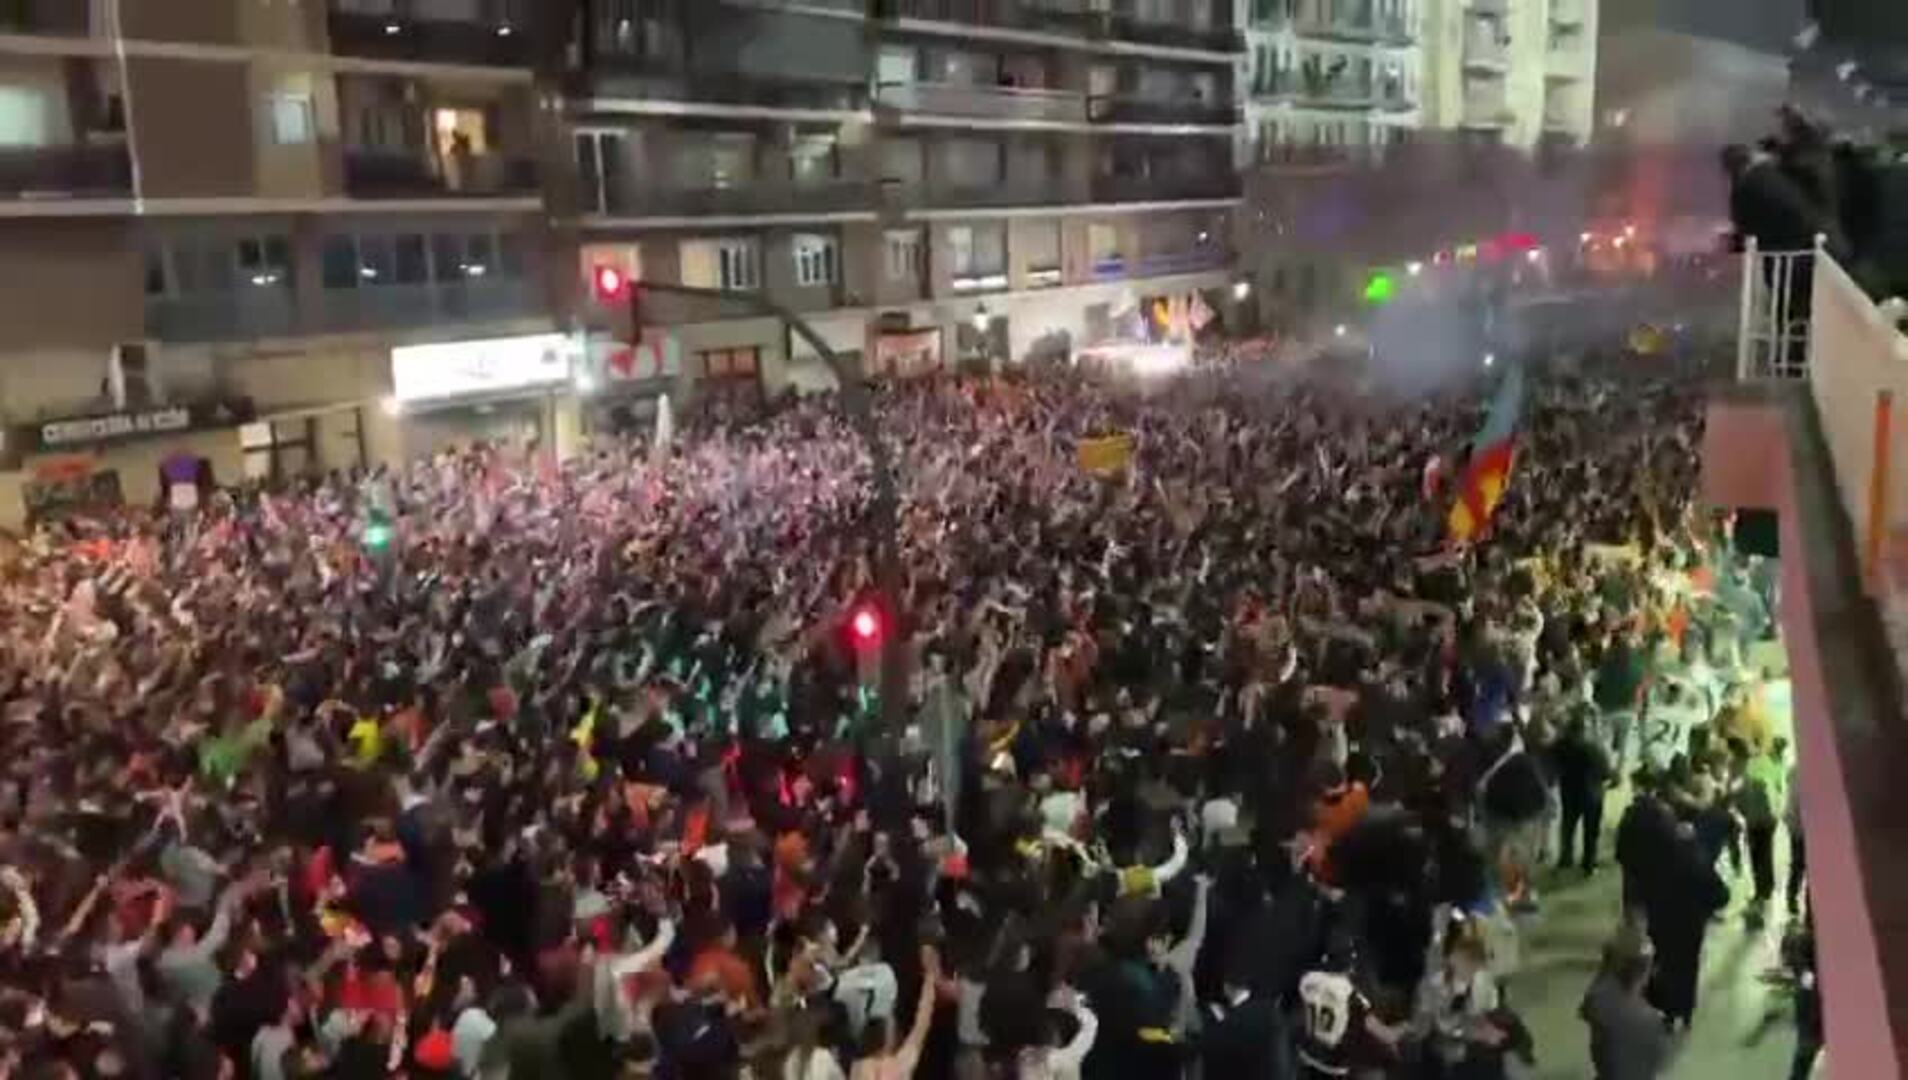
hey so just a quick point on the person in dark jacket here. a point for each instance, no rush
(1678, 903)
(1583, 772)
(1628, 1040)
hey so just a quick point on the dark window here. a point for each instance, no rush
(510, 255)
(215, 268)
(447, 257)
(377, 264)
(412, 266)
(155, 270)
(341, 263)
(482, 253)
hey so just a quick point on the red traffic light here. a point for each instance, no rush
(610, 282)
(866, 625)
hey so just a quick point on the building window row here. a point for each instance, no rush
(373, 260)
(205, 266)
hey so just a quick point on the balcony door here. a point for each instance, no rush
(600, 163)
(460, 140)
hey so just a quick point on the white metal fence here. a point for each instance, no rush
(1772, 340)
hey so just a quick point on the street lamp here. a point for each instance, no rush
(980, 319)
(1241, 289)
(1414, 268)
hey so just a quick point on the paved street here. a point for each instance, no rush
(1743, 1029)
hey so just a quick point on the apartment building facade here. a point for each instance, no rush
(284, 237)
(1328, 80)
(222, 222)
(930, 183)
(1381, 131)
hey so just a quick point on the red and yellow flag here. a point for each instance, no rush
(1493, 452)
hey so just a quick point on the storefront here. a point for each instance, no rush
(906, 353)
(83, 462)
(506, 392)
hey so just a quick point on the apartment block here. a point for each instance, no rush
(930, 183)
(1517, 73)
(1330, 81)
(220, 218)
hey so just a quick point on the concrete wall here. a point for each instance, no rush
(189, 120)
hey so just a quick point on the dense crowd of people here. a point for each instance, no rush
(1220, 761)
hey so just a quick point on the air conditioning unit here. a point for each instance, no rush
(132, 377)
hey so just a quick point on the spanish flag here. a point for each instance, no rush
(1487, 473)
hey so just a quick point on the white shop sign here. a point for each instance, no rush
(457, 369)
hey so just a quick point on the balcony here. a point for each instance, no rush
(1165, 264)
(498, 35)
(1334, 93)
(385, 174)
(379, 307)
(252, 313)
(619, 77)
(53, 18)
(1488, 114)
(630, 200)
(51, 173)
(1486, 52)
(1217, 39)
(942, 195)
(989, 102)
(1048, 16)
(1219, 184)
(1116, 109)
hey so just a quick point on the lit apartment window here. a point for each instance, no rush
(734, 263)
(977, 255)
(812, 159)
(904, 250)
(817, 260)
(290, 116)
(25, 116)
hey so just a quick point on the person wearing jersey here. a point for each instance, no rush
(1340, 1035)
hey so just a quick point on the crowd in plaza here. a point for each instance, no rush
(1222, 762)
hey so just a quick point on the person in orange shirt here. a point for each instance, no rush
(718, 967)
(1340, 807)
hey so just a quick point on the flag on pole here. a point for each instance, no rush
(1493, 451)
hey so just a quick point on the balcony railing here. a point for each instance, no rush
(835, 196)
(272, 311)
(1051, 191)
(63, 18)
(993, 102)
(1180, 262)
(407, 30)
(1050, 16)
(1209, 38)
(1220, 184)
(384, 174)
(92, 171)
(378, 307)
(1081, 17)
(251, 313)
(1486, 52)
(616, 79)
(1115, 109)
(1487, 114)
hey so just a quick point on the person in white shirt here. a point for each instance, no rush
(1063, 1062)
(867, 991)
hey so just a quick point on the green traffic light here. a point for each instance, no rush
(1380, 289)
